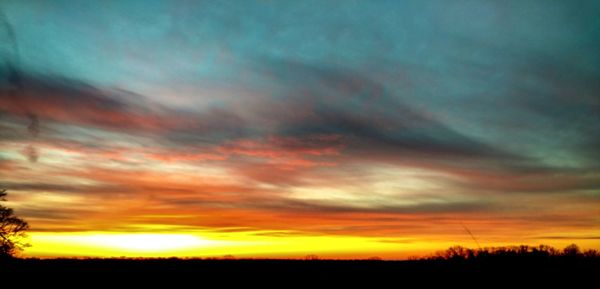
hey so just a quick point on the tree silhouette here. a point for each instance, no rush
(12, 231)
(571, 250)
(312, 257)
(523, 252)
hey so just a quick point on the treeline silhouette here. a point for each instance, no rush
(457, 265)
(522, 252)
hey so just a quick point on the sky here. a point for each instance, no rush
(345, 129)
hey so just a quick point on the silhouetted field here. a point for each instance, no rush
(455, 266)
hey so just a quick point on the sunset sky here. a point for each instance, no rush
(345, 129)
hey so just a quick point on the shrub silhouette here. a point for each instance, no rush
(12, 231)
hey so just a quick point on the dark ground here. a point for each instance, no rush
(286, 273)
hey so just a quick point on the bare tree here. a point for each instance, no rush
(12, 231)
(312, 257)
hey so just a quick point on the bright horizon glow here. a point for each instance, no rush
(141, 243)
(114, 244)
(242, 245)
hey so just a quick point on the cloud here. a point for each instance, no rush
(31, 153)
(570, 237)
(69, 101)
(368, 121)
(382, 126)
(344, 120)
(300, 206)
(34, 125)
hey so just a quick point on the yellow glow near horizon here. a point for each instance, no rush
(248, 244)
(211, 244)
(144, 242)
